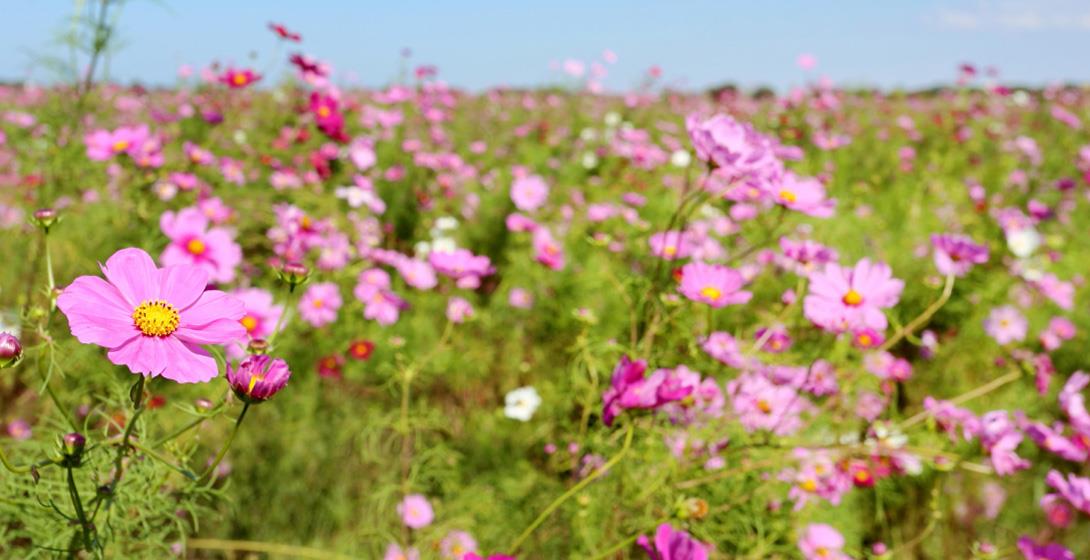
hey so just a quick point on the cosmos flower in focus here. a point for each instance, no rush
(715, 285)
(843, 298)
(153, 320)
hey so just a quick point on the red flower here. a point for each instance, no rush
(361, 349)
(238, 79)
(284, 33)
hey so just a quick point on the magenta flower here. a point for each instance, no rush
(1073, 488)
(460, 263)
(380, 303)
(320, 303)
(1048, 551)
(258, 378)
(193, 242)
(153, 320)
(822, 542)
(237, 79)
(104, 144)
(713, 284)
(627, 374)
(956, 254)
(548, 251)
(529, 193)
(674, 544)
(843, 298)
(763, 405)
(415, 511)
(1006, 325)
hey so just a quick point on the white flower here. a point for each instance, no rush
(239, 136)
(681, 158)
(444, 245)
(422, 248)
(613, 118)
(590, 161)
(588, 135)
(446, 223)
(353, 195)
(1023, 242)
(521, 403)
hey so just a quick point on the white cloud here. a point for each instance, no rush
(1015, 15)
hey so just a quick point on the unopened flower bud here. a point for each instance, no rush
(45, 218)
(258, 378)
(258, 346)
(11, 350)
(73, 447)
(295, 274)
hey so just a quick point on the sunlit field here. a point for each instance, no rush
(263, 314)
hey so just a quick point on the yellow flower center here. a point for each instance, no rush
(196, 247)
(865, 340)
(254, 379)
(249, 322)
(852, 298)
(670, 250)
(318, 304)
(810, 485)
(120, 146)
(239, 79)
(156, 318)
(822, 552)
(323, 111)
(764, 406)
(711, 292)
(788, 196)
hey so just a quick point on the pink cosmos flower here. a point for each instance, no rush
(104, 144)
(724, 348)
(260, 319)
(844, 298)
(822, 542)
(713, 284)
(460, 263)
(763, 405)
(194, 243)
(956, 254)
(737, 148)
(395, 552)
(802, 257)
(415, 511)
(805, 195)
(258, 377)
(456, 545)
(153, 320)
(547, 250)
(1073, 488)
(1006, 325)
(520, 298)
(459, 310)
(529, 193)
(320, 303)
(674, 544)
(671, 245)
(380, 303)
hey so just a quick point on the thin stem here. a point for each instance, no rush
(77, 503)
(727, 474)
(274, 549)
(978, 392)
(176, 433)
(226, 445)
(575, 489)
(10, 466)
(922, 319)
(156, 456)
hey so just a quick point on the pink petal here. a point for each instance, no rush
(143, 354)
(211, 306)
(220, 331)
(188, 363)
(134, 274)
(96, 312)
(182, 285)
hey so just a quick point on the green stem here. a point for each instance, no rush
(575, 490)
(10, 466)
(176, 433)
(77, 503)
(923, 317)
(227, 445)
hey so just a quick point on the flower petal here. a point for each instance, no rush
(143, 354)
(134, 274)
(221, 331)
(212, 306)
(188, 363)
(182, 285)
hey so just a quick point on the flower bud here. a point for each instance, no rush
(45, 218)
(258, 346)
(11, 350)
(258, 378)
(295, 274)
(73, 447)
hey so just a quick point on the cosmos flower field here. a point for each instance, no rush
(267, 314)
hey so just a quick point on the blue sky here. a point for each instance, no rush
(481, 43)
